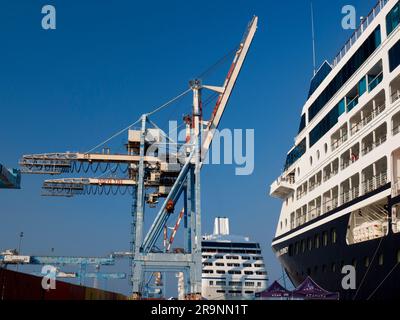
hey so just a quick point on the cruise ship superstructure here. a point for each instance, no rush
(233, 267)
(341, 182)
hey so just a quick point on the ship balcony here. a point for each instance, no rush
(339, 137)
(395, 89)
(374, 139)
(283, 187)
(368, 113)
(396, 124)
(374, 182)
(396, 188)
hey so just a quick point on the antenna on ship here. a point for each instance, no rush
(313, 39)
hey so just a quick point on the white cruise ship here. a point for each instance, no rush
(233, 267)
(340, 185)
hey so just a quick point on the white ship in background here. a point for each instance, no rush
(233, 267)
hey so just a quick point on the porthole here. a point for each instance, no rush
(311, 161)
(316, 245)
(325, 239)
(334, 236)
(326, 148)
(318, 154)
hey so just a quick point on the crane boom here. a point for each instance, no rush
(226, 91)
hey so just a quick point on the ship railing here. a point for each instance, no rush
(301, 195)
(350, 195)
(395, 96)
(374, 82)
(337, 143)
(367, 119)
(351, 105)
(374, 182)
(396, 129)
(357, 33)
(330, 204)
(314, 185)
(396, 188)
(367, 149)
(330, 175)
(314, 213)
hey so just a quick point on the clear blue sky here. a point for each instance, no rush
(109, 61)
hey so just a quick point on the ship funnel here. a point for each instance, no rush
(221, 226)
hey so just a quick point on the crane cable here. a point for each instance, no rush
(200, 76)
(136, 122)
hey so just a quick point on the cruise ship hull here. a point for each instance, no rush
(376, 280)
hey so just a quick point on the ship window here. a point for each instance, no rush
(221, 272)
(249, 292)
(302, 123)
(348, 70)
(261, 273)
(398, 256)
(297, 247)
(316, 242)
(235, 283)
(366, 262)
(311, 160)
(318, 155)
(234, 272)
(326, 123)
(310, 244)
(296, 153)
(325, 239)
(245, 258)
(326, 148)
(394, 56)
(249, 284)
(208, 271)
(220, 283)
(324, 268)
(207, 264)
(393, 18)
(219, 257)
(333, 267)
(334, 236)
(354, 263)
(211, 283)
(221, 291)
(381, 260)
(219, 264)
(258, 284)
(303, 246)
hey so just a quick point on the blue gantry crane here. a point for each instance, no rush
(149, 174)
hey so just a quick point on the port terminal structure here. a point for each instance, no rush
(155, 167)
(10, 178)
(13, 257)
